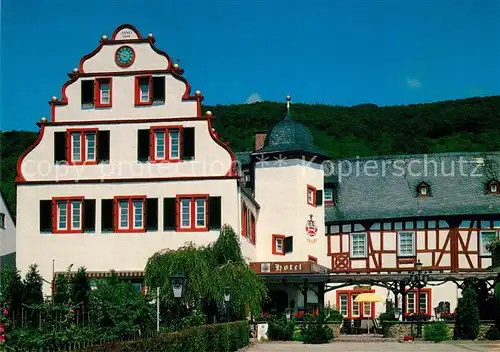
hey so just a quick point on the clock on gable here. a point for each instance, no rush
(124, 56)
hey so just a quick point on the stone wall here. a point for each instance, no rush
(400, 329)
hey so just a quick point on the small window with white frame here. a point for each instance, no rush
(485, 238)
(2, 221)
(406, 243)
(359, 245)
(329, 195)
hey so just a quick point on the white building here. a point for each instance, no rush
(128, 165)
(7, 236)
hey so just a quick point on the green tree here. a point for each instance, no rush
(62, 289)
(80, 288)
(467, 320)
(209, 270)
(33, 283)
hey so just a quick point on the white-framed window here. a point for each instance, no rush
(367, 309)
(192, 213)
(83, 146)
(310, 196)
(406, 243)
(76, 146)
(279, 244)
(485, 238)
(123, 213)
(411, 306)
(329, 195)
(359, 245)
(186, 213)
(76, 215)
(62, 215)
(104, 87)
(344, 305)
(174, 143)
(69, 215)
(144, 90)
(160, 144)
(138, 214)
(355, 306)
(90, 146)
(201, 213)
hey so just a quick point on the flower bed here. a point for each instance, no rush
(226, 337)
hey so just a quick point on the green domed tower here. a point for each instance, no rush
(288, 185)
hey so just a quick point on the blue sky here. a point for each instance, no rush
(332, 52)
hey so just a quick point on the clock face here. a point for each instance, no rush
(125, 56)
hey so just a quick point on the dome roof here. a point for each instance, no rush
(289, 135)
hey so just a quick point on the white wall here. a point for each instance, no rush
(120, 251)
(281, 191)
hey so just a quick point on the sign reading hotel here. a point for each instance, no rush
(287, 268)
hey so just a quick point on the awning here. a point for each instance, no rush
(368, 298)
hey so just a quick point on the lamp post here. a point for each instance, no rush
(419, 280)
(227, 299)
(178, 286)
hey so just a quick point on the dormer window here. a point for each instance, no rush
(423, 190)
(493, 187)
(329, 194)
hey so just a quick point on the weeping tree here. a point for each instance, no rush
(209, 270)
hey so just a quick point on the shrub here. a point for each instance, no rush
(436, 332)
(492, 333)
(225, 337)
(467, 319)
(387, 316)
(281, 329)
(315, 332)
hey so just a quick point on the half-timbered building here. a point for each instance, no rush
(128, 164)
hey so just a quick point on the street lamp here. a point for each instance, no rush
(178, 287)
(227, 299)
(419, 280)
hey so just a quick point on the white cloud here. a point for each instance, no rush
(413, 82)
(253, 98)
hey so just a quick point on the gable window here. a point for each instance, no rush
(406, 243)
(2, 221)
(423, 189)
(485, 238)
(67, 213)
(359, 245)
(278, 244)
(103, 94)
(149, 90)
(192, 212)
(493, 187)
(129, 213)
(412, 306)
(311, 195)
(83, 146)
(329, 195)
(166, 143)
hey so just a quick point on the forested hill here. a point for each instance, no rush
(363, 130)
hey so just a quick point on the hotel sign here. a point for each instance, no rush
(287, 268)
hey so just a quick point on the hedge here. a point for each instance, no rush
(226, 337)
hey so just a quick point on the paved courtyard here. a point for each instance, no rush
(369, 347)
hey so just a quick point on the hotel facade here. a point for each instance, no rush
(128, 164)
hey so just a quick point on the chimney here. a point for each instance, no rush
(260, 137)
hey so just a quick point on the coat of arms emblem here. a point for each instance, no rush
(311, 230)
